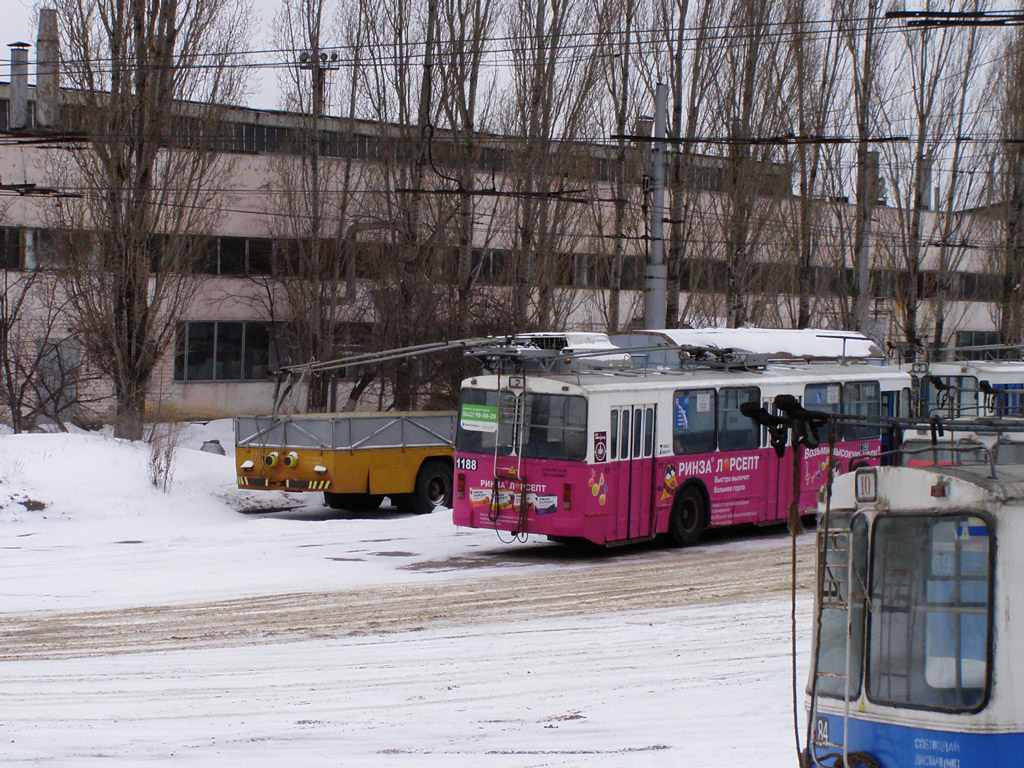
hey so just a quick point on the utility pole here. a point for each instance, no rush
(655, 279)
(867, 184)
(317, 63)
(422, 121)
(867, 175)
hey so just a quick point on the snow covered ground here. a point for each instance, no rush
(147, 628)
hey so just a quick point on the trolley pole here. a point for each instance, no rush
(656, 279)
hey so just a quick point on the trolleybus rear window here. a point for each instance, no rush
(928, 645)
(949, 396)
(554, 426)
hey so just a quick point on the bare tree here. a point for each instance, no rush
(865, 53)
(148, 80)
(810, 100)
(550, 106)
(314, 217)
(747, 94)
(40, 374)
(940, 64)
(621, 85)
(1006, 257)
(687, 40)
(407, 273)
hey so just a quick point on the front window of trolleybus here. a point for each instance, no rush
(553, 426)
(931, 611)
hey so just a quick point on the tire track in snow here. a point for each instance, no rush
(732, 572)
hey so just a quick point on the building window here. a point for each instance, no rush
(928, 645)
(968, 343)
(233, 255)
(10, 248)
(226, 351)
(38, 249)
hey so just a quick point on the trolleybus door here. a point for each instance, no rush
(633, 473)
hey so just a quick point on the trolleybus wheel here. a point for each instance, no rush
(433, 487)
(353, 502)
(687, 520)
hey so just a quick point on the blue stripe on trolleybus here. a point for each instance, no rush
(898, 746)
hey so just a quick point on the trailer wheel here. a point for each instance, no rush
(433, 487)
(353, 502)
(686, 523)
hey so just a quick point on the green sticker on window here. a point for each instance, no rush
(479, 418)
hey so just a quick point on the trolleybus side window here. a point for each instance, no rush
(832, 660)
(860, 398)
(624, 433)
(613, 448)
(931, 612)
(823, 397)
(638, 423)
(693, 421)
(735, 431)
(648, 432)
(1008, 400)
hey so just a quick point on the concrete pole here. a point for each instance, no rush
(656, 279)
(47, 70)
(863, 276)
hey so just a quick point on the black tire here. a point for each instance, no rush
(689, 514)
(353, 502)
(433, 487)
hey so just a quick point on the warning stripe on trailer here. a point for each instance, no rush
(308, 485)
(253, 482)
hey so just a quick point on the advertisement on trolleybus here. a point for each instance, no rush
(618, 457)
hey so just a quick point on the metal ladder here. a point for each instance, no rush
(834, 578)
(511, 415)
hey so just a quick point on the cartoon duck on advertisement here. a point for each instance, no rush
(671, 481)
(599, 488)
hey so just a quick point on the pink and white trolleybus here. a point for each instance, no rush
(620, 456)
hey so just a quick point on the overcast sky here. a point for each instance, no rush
(19, 26)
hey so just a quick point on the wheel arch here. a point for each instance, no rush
(447, 458)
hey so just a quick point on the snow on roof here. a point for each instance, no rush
(577, 340)
(588, 346)
(805, 343)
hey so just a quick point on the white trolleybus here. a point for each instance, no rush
(919, 624)
(623, 455)
(984, 392)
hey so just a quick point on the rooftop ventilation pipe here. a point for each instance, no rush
(47, 70)
(18, 120)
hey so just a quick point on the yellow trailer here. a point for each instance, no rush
(355, 459)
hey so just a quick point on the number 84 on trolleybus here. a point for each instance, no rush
(620, 457)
